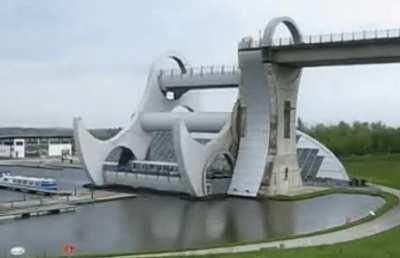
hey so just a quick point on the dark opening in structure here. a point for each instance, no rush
(122, 156)
(287, 117)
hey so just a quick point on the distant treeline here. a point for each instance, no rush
(357, 138)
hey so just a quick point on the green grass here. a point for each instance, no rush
(378, 169)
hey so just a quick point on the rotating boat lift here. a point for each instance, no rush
(258, 137)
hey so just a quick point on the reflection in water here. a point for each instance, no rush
(154, 222)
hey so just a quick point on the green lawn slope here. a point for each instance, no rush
(379, 169)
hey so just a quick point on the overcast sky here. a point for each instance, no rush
(61, 59)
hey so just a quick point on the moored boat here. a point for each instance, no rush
(28, 183)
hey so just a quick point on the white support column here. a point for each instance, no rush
(268, 99)
(285, 174)
(283, 83)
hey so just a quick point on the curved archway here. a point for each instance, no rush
(121, 156)
(218, 173)
(180, 63)
(270, 29)
(174, 56)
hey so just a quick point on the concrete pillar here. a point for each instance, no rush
(283, 84)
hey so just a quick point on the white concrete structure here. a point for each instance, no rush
(257, 140)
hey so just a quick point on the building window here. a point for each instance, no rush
(65, 140)
(286, 119)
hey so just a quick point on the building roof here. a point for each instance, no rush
(28, 132)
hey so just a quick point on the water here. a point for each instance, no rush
(154, 222)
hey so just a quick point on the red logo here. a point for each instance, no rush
(68, 249)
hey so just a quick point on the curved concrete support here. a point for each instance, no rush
(270, 29)
(283, 83)
(268, 99)
(254, 141)
(93, 152)
(285, 173)
(193, 157)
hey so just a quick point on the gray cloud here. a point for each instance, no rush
(59, 59)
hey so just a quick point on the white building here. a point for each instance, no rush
(13, 148)
(56, 150)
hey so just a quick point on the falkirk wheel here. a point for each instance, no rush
(254, 147)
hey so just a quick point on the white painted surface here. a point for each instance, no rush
(15, 150)
(195, 121)
(253, 149)
(18, 148)
(5, 151)
(56, 149)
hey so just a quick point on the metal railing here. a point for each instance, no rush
(201, 71)
(159, 170)
(250, 42)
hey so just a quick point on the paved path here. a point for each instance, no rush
(385, 222)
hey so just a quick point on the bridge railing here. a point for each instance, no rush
(200, 71)
(251, 42)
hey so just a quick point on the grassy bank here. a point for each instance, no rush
(379, 169)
